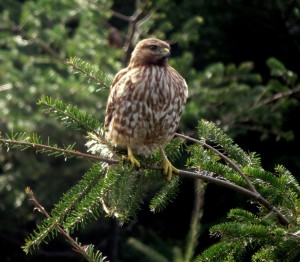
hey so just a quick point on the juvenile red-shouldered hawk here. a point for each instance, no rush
(145, 103)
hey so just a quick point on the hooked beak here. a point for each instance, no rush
(165, 52)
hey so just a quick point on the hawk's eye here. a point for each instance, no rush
(153, 47)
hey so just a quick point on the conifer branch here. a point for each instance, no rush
(54, 149)
(165, 195)
(70, 115)
(111, 161)
(75, 118)
(90, 71)
(87, 251)
(225, 158)
(252, 192)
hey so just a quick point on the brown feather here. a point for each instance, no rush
(146, 100)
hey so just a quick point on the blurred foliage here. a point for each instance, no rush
(235, 98)
(240, 60)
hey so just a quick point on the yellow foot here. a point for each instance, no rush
(134, 162)
(168, 168)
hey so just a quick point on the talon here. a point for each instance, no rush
(134, 162)
(168, 168)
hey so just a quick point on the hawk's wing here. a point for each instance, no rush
(111, 102)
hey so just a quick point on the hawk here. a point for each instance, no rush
(145, 103)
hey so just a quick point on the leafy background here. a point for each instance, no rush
(240, 59)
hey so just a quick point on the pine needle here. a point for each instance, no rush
(90, 71)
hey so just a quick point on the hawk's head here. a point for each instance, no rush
(150, 51)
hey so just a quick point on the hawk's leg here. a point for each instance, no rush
(132, 159)
(168, 167)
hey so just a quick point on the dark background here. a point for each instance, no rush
(202, 34)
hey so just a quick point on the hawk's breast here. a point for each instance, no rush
(147, 103)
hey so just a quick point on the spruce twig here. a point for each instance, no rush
(69, 115)
(91, 72)
(229, 161)
(251, 192)
(77, 247)
(111, 161)
(63, 152)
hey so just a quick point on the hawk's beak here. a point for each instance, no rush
(165, 52)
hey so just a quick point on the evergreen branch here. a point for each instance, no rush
(213, 133)
(70, 200)
(75, 118)
(87, 251)
(239, 189)
(165, 195)
(90, 71)
(225, 158)
(277, 188)
(89, 207)
(253, 194)
(219, 252)
(25, 141)
(236, 229)
(208, 161)
(77, 194)
(257, 232)
(122, 199)
(174, 149)
(70, 115)
(76, 63)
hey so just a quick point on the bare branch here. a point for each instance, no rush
(121, 16)
(134, 22)
(278, 96)
(195, 221)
